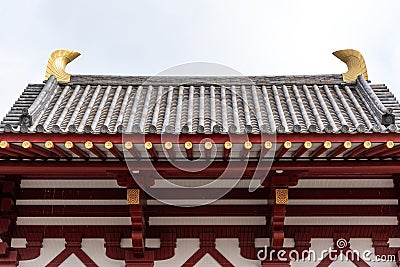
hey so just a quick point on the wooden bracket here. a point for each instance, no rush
(8, 258)
(34, 243)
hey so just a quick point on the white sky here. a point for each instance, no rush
(146, 37)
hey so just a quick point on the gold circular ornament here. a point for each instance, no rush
(3, 144)
(49, 144)
(268, 144)
(188, 145)
(26, 144)
(148, 145)
(69, 144)
(208, 145)
(287, 144)
(307, 144)
(88, 144)
(128, 145)
(327, 144)
(390, 144)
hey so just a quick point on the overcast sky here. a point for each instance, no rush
(146, 37)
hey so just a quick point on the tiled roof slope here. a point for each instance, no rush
(256, 104)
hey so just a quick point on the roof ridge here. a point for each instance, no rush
(206, 79)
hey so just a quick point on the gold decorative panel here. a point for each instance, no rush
(133, 196)
(281, 196)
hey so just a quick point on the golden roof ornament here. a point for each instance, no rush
(355, 63)
(58, 60)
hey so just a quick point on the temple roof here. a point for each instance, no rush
(185, 104)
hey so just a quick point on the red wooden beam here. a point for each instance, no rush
(302, 149)
(210, 210)
(76, 150)
(72, 193)
(150, 149)
(208, 149)
(123, 210)
(120, 193)
(113, 149)
(340, 149)
(277, 227)
(73, 211)
(16, 150)
(138, 229)
(36, 149)
(56, 150)
(321, 149)
(379, 149)
(342, 193)
(193, 231)
(168, 146)
(339, 210)
(317, 167)
(95, 150)
(246, 149)
(265, 148)
(99, 231)
(189, 150)
(358, 150)
(283, 149)
(4, 152)
(355, 231)
(227, 149)
(390, 152)
(132, 150)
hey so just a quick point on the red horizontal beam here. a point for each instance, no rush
(183, 231)
(73, 211)
(209, 210)
(117, 193)
(155, 211)
(355, 231)
(58, 231)
(342, 193)
(259, 231)
(373, 167)
(341, 210)
(197, 138)
(67, 193)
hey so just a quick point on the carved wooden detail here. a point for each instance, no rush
(207, 246)
(73, 245)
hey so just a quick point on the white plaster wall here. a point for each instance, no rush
(185, 248)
